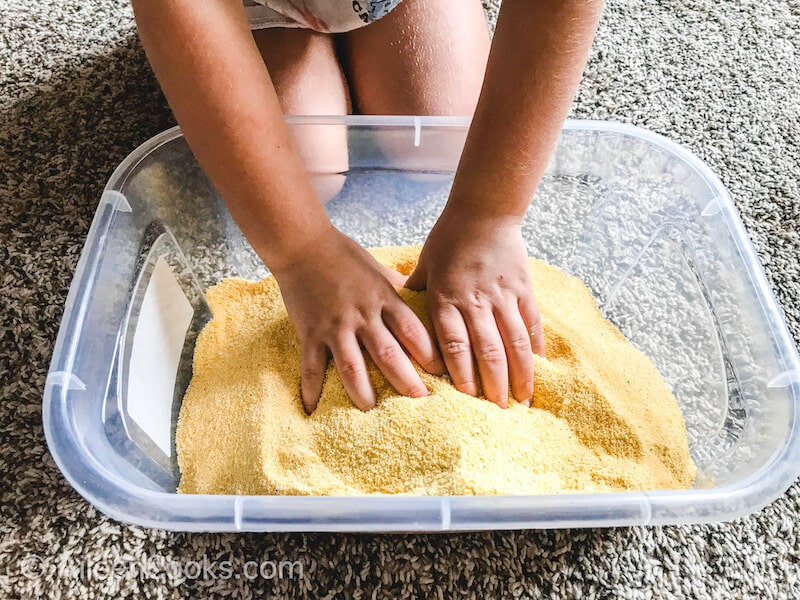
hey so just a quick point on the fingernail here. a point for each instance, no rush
(500, 402)
(436, 367)
(470, 389)
(526, 402)
(368, 405)
(420, 393)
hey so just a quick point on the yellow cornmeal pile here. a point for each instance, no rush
(602, 419)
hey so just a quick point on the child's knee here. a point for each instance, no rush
(323, 148)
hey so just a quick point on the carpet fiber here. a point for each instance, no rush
(76, 96)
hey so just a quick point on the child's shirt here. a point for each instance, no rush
(328, 16)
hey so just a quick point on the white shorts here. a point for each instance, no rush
(327, 16)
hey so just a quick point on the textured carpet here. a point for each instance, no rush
(76, 96)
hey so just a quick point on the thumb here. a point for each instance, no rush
(418, 280)
(393, 277)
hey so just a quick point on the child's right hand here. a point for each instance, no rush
(476, 272)
(340, 299)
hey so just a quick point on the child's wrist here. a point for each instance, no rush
(466, 215)
(295, 248)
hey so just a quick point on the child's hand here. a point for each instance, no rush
(481, 301)
(339, 299)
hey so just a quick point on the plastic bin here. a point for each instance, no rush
(642, 221)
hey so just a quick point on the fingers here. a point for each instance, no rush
(313, 362)
(385, 351)
(490, 354)
(392, 361)
(501, 344)
(517, 344)
(382, 340)
(533, 322)
(353, 371)
(455, 346)
(410, 331)
(396, 278)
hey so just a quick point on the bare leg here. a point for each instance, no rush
(426, 57)
(309, 81)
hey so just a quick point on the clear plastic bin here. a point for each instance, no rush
(642, 221)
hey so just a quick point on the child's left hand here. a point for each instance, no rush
(481, 302)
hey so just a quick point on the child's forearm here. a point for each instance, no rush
(215, 81)
(536, 61)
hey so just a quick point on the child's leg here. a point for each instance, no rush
(307, 76)
(426, 57)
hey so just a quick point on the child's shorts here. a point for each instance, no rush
(328, 16)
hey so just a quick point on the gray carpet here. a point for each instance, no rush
(76, 96)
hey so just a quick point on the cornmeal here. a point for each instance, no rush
(602, 419)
